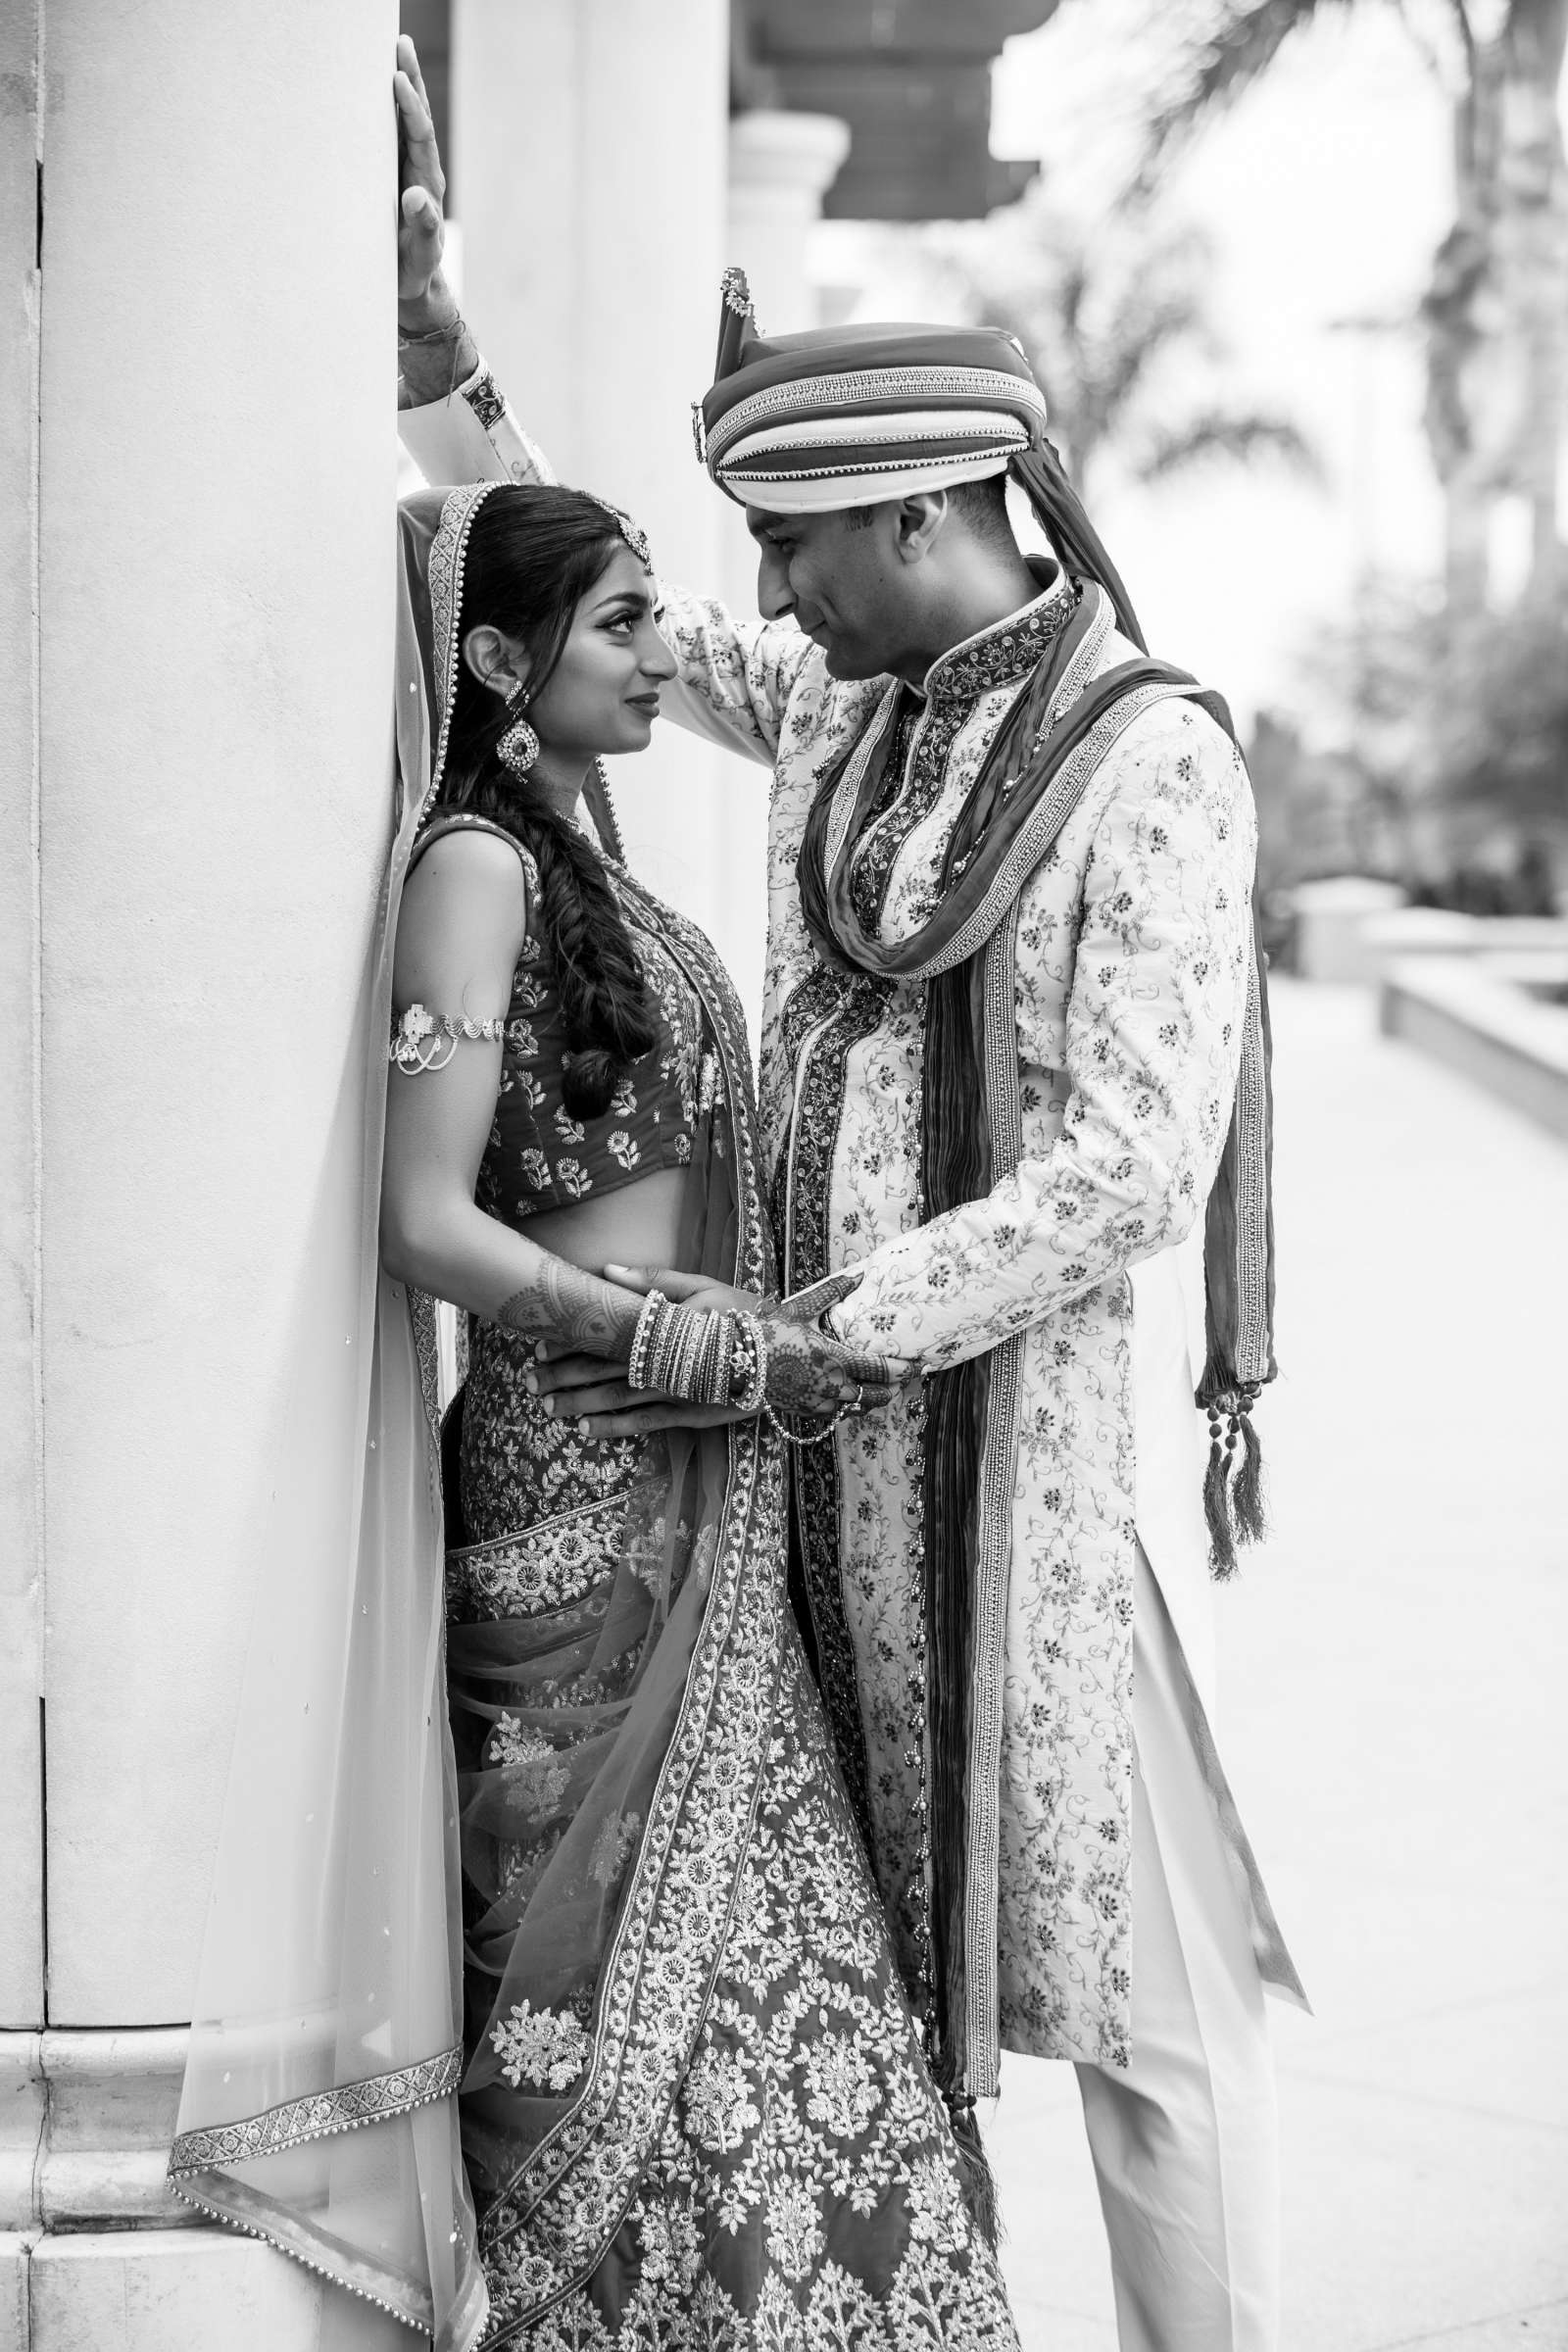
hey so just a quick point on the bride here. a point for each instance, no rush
(612, 1927)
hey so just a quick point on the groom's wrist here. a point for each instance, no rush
(436, 351)
(436, 307)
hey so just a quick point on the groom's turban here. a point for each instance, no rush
(849, 415)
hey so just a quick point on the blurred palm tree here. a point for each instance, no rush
(1117, 324)
(1497, 308)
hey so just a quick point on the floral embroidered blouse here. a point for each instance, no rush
(539, 1155)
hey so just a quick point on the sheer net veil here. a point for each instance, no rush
(319, 2108)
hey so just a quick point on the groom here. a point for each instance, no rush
(1012, 1044)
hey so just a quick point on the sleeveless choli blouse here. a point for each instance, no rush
(539, 1155)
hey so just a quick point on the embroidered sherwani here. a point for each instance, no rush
(1129, 994)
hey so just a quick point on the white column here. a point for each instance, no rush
(215, 467)
(588, 142)
(22, 1942)
(781, 165)
(21, 1424)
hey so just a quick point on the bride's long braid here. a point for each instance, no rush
(533, 554)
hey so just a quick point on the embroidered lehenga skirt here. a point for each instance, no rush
(695, 2109)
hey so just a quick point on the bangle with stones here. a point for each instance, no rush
(708, 1362)
(637, 1373)
(662, 1347)
(663, 1332)
(751, 1387)
(724, 1361)
(688, 1357)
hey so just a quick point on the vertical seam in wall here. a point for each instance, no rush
(585, 332)
(35, 853)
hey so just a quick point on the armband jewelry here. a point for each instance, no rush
(426, 1041)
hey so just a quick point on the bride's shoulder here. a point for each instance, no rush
(473, 852)
(471, 884)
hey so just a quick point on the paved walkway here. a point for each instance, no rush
(1393, 1721)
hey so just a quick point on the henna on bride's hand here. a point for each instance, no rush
(562, 1302)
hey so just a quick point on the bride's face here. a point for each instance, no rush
(603, 695)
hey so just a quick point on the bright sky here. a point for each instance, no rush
(1326, 191)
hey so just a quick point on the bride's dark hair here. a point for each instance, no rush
(534, 554)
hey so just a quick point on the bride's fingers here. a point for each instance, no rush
(656, 1278)
(546, 1375)
(603, 1397)
(643, 1417)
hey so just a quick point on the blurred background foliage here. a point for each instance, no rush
(1427, 739)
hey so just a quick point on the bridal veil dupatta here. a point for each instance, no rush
(318, 2108)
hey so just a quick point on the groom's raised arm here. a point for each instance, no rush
(734, 677)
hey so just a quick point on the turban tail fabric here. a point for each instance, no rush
(815, 422)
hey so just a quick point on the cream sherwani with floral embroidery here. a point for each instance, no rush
(1131, 962)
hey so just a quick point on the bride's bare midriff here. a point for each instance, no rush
(639, 1225)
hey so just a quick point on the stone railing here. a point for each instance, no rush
(1499, 1018)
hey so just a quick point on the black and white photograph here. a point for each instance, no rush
(784, 1176)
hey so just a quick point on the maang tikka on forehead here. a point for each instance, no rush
(635, 537)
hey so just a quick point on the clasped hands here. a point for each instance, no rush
(809, 1373)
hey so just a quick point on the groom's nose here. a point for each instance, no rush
(775, 599)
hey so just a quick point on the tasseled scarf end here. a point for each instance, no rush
(1232, 1489)
(975, 2177)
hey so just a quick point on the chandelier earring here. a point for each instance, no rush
(518, 747)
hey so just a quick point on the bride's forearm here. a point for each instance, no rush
(561, 1304)
(479, 1263)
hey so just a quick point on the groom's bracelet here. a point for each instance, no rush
(697, 1356)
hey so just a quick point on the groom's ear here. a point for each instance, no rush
(917, 525)
(495, 659)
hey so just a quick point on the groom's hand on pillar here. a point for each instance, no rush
(435, 350)
(422, 193)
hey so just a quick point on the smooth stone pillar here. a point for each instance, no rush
(781, 165)
(589, 151)
(21, 1943)
(197, 618)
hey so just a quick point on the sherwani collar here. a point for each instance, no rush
(1006, 650)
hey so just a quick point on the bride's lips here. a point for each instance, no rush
(644, 702)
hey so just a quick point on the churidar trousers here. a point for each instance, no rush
(1184, 2139)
